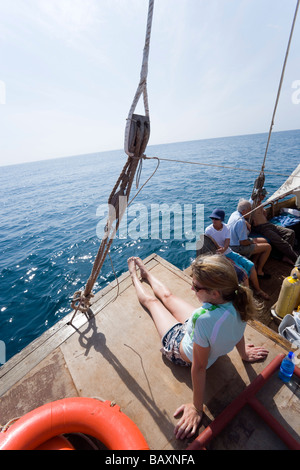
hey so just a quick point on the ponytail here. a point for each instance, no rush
(217, 272)
(244, 302)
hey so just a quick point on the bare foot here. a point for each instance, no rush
(142, 267)
(132, 266)
(262, 294)
(143, 296)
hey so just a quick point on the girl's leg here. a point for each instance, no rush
(162, 318)
(179, 308)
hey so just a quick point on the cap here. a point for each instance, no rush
(217, 214)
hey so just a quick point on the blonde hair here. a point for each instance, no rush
(217, 272)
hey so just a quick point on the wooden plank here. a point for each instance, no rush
(38, 343)
(269, 333)
(19, 366)
(50, 380)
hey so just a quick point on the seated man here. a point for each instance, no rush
(242, 244)
(282, 238)
(219, 231)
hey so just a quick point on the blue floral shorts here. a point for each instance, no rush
(171, 342)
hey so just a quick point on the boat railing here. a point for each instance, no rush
(274, 207)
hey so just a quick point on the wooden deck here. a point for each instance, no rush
(279, 271)
(116, 356)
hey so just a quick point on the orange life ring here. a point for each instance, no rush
(56, 443)
(72, 415)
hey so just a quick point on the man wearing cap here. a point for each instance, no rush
(221, 235)
(282, 238)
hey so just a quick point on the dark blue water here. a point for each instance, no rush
(48, 231)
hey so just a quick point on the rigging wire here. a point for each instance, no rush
(280, 84)
(260, 180)
(212, 165)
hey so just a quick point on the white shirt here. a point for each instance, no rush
(219, 235)
(219, 327)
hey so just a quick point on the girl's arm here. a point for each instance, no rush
(192, 412)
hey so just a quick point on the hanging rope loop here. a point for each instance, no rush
(142, 86)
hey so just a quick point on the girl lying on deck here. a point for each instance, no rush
(198, 337)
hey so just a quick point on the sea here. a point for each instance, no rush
(53, 215)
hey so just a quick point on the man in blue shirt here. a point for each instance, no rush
(240, 242)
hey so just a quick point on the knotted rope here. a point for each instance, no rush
(137, 133)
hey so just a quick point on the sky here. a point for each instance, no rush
(69, 70)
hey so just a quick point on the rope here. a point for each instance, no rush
(136, 137)
(7, 425)
(217, 166)
(280, 85)
(142, 86)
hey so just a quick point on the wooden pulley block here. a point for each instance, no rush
(139, 134)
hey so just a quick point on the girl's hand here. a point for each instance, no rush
(189, 421)
(253, 353)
